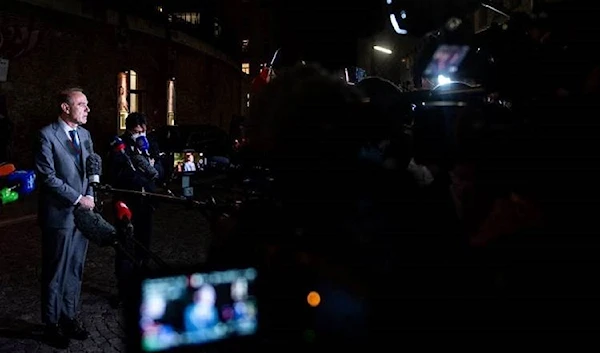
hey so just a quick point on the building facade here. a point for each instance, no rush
(244, 29)
(254, 23)
(124, 62)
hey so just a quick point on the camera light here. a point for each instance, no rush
(313, 299)
(443, 80)
(396, 26)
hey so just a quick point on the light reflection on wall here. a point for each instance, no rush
(171, 102)
(122, 103)
(133, 86)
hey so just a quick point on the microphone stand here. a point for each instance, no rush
(121, 245)
(163, 197)
(98, 203)
(129, 239)
(201, 205)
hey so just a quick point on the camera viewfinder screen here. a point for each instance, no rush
(192, 310)
(446, 60)
(187, 161)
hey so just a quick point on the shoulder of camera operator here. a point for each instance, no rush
(306, 104)
(302, 101)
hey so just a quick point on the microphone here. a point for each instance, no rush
(19, 183)
(142, 164)
(93, 168)
(22, 180)
(8, 195)
(97, 230)
(123, 212)
(143, 145)
(118, 147)
(123, 215)
(6, 169)
(94, 228)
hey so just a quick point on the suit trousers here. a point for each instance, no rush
(63, 258)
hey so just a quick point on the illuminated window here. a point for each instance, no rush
(128, 97)
(245, 43)
(189, 17)
(246, 68)
(122, 102)
(159, 8)
(133, 96)
(217, 28)
(171, 102)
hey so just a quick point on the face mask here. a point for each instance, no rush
(136, 135)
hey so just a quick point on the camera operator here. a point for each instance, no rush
(128, 171)
(347, 219)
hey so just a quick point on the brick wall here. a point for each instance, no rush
(70, 50)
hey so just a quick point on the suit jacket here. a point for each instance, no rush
(61, 175)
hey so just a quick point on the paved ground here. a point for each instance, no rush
(181, 238)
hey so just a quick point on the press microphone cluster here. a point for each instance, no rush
(97, 230)
(118, 147)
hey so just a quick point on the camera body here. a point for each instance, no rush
(241, 308)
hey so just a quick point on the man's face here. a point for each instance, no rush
(77, 109)
(137, 130)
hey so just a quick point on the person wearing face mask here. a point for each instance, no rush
(130, 176)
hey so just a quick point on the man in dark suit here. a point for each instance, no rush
(63, 147)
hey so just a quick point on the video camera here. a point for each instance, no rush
(526, 54)
(242, 308)
(187, 309)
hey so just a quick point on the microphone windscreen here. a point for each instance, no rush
(93, 165)
(123, 212)
(141, 163)
(6, 169)
(117, 144)
(23, 180)
(142, 143)
(95, 228)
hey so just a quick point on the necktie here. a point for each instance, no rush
(75, 141)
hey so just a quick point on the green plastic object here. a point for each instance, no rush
(8, 195)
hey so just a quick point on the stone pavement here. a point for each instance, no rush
(181, 237)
